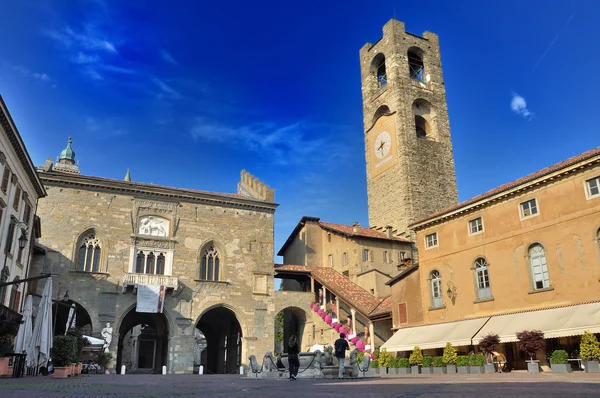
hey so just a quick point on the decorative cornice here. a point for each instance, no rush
(159, 192)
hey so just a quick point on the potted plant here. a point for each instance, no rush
(63, 348)
(375, 366)
(415, 359)
(426, 365)
(559, 362)
(590, 352)
(476, 364)
(386, 360)
(8, 331)
(80, 343)
(488, 344)
(104, 360)
(531, 342)
(449, 358)
(393, 366)
(462, 364)
(404, 366)
(438, 365)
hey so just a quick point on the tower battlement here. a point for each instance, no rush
(252, 187)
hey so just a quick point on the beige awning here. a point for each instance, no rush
(435, 336)
(556, 322)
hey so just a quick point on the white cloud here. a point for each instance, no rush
(166, 91)
(82, 58)
(519, 106)
(88, 40)
(165, 55)
(33, 75)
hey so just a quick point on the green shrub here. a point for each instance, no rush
(64, 350)
(589, 347)
(462, 360)
(375, 364)
(104, 359)
(403, 363)
(450, 355)
(427, 361)
(416, 357)
(559, 357)
(376, 354)
(386, 359)
(360, 357)
(476, 360)
(438, 362)
(394, 363)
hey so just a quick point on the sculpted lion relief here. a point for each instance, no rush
(153, 226)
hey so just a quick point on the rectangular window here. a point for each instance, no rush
(5, 179)
(402, 313)
(431, 240)
(593, 187)
(9, 239)
(15, 299)
(17, 198)
(475, 226)
(27, 213)
(401, 256)
(385, 256)
(328, 237)
(529, 208)
(365, 255)
(345, 258)
(331, 260)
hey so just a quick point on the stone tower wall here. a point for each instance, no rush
(423, 180)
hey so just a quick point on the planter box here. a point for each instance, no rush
(427, 371)
(561, 367)
(415, 370)
(439, 371)
(463, 369)
(392, 371)
(450, 369)
(533, 367)
(476, 370)
(592, 367)
(404, 371)
(4, 366)
(61, 372)
(490, 368)
(377, 371)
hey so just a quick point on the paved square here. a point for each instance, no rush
(412, 386)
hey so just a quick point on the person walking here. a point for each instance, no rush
(293, 360)
(341, 345)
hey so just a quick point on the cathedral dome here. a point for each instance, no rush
(68, 154)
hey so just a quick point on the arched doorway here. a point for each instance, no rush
(60, 313)
(143, 342)
(223, 339)
(290, 320)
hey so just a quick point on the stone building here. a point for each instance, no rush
(20, 189)
(523, 256)
(211, 252)
(408, 149)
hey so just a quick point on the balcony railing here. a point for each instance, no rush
(170, 282)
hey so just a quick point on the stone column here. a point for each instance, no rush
(353, 311)
(371, 336)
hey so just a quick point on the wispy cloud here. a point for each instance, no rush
(165, 91)
(549, 47)
(166, 56)
(28, 73)
(87, 39)
(519, 106)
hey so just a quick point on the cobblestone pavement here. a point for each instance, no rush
(409, 386)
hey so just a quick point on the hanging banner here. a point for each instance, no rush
(150, 298)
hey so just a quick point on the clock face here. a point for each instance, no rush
(383, 144)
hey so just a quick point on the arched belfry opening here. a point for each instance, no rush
(221, 334)
(143, 342)
(378, 69)
(381, 111)
(70, 314)
(289, 321)
(416, 68)
(424, 120)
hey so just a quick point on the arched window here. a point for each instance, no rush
(421, 126)
(436, 289)
(381, 111)
(89, 253)
(423, 113)
(482, 279)
(210, 264)
(140, 263)
(378, 69)
(150, 262)
(416, 69)
(539, 268)
(160, 264)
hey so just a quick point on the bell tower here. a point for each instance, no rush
(410, 166)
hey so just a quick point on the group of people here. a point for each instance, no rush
(340, 347)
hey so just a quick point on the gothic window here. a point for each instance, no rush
(140, 263)
(88, 256)
(436, 289)
(150, 262)
(539, 267)
(160, 264)
(210, 264)
(482, 279)
(416, 69)
(378, 70)
(381, 111)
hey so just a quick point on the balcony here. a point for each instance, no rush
(132, 280)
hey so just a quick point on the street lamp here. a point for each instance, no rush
(22, 243)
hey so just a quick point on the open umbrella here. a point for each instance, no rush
(71, 318)
(26, 329)
(41, 340)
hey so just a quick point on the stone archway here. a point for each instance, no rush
(223, 339)
(294, 320)
(60, 314)
(143, 342)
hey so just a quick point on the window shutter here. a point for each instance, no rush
(402, 313)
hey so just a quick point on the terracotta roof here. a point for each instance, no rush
(361, 232)
(523, 180)
(384, 308)
(344, 288)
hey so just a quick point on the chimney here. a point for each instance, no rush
(355, 227)
(389, 232)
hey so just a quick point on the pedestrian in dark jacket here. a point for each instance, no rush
(293, 360)
(341, 345)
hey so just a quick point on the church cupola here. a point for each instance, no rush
(68, 154)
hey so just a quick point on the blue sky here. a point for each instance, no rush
(188, 93)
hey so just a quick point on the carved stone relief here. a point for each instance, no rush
(153, 226)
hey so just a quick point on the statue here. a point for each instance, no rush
(328, 356)
(354, 362)
(366, 362)
(107, 335)
(318, 360)
(269, 363)
(254, 365)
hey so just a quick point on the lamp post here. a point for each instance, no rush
(9, 240)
